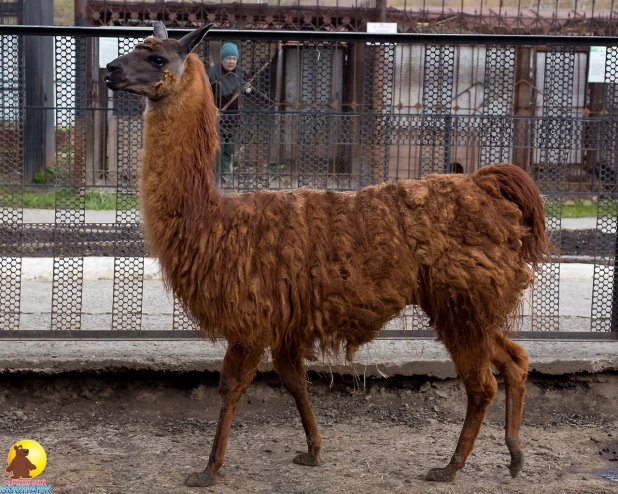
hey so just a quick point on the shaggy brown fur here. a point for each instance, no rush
(289, 270)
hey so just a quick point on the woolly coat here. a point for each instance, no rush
(290, 269)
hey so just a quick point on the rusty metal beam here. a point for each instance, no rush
(333, 18)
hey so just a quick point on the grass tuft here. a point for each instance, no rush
(579, 209)
(96, 200)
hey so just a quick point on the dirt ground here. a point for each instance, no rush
(142, 433)
(583, 242)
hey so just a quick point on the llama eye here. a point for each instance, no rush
(158, 61)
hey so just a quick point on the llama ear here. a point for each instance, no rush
(159, 30)
(187, 43)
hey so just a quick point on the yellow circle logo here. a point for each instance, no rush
(27, 459)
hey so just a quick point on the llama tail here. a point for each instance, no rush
(515, 185)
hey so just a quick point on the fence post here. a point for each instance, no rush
(438, 83)
(523, 104)
(608, 166)
(605, 289)
(377, 112)
(39, 137)
(614, 322)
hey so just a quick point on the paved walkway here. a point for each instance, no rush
(157, 309)
(579, 223)
(92, 216)
(48, 216)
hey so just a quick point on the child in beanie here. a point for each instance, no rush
(226, 81)
(229, 50)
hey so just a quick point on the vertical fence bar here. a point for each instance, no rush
(604, 289)
(523, 106)
(497, 127)
(436, 130)
(556, 138)
(254, 116)
(316, 80)
(11, 178)
(181, 320)
(378, 78)
(70, 184)
(128, 290)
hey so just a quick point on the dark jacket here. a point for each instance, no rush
(225, 85)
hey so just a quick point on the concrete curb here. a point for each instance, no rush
(384, 358)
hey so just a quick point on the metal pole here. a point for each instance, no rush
(448, 136)
(81, 18)
(80, 94)
(380, 10)
(39, 147)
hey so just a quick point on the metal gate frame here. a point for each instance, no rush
(376, 119)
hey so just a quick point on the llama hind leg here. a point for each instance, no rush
(291, 370)
(474, 369)
(238, 370)
(511, 360)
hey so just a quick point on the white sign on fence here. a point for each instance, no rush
(596, 64)
(382, 27)
(108, 51)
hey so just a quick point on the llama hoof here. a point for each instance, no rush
(517, 456)
(306, 459)
(202, 479)
(441, 474)
(517, 462)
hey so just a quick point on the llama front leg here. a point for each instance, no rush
(481, 387)
(238, 370)
(291, 370)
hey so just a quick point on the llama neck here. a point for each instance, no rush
(180, 143)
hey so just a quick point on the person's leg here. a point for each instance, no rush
(228, 127)
(227, 152)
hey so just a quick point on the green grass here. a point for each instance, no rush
(107, 201)
(583, 208)
(47, 200)
(579, 209)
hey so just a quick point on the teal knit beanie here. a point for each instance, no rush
(229, 50)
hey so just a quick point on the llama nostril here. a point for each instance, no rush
(111, 68)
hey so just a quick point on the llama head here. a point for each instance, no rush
(154, 68)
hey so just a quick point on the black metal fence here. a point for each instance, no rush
(324, 110)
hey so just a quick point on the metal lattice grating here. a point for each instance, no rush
(605, 294)
(377, 102)
(322, 114)
(435, 149)
(128, 290)
(252, 127)
(11, 171)
(556, 137)
(70, 173)
(499, 82)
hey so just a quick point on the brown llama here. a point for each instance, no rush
(296, 271)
